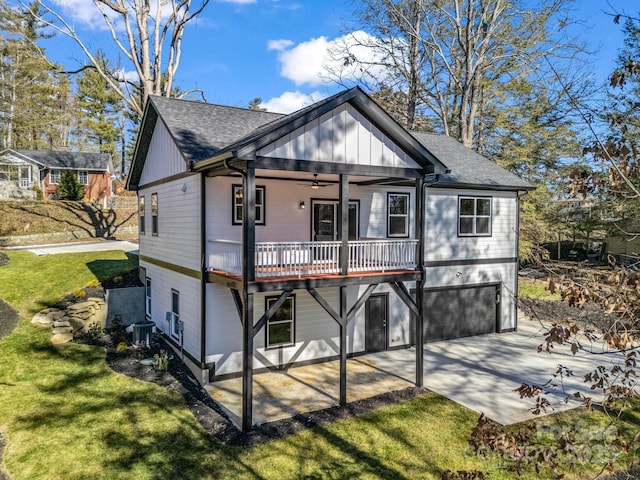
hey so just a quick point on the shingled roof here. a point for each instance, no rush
(468, 168)
(204, 131)
(68, 160)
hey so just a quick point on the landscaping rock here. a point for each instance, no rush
(46, 316)
(78, 317)
(62, 338)
(61, 330)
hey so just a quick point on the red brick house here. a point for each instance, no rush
(21, 170)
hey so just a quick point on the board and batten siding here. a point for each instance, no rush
(342, 135)
(442, 242)
(285, 220)
(162, 282)
(317, 335)
(163, 158)
(178, 239)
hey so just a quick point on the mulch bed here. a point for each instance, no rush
(209, 414)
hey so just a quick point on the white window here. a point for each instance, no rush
(281, 327)
(147, 294)
(398, 215)
(237, 205)
(83, 177)
(176, 325)
(54, 176)
(474, 216)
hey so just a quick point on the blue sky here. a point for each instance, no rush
(237, 50)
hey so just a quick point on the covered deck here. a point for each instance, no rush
(277, 262)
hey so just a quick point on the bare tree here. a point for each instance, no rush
(149, 35)
(451, 56)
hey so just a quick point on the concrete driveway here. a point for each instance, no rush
(77, 247)
(480, 373)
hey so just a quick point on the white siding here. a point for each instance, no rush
(163, 158)
(441, 222)
(459, 275)
(162, 282)
(285, 221)
(178, 239)
(342, 135)
(317, 335)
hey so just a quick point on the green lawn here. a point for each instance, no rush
(66, 415)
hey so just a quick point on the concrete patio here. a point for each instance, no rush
(480, 373)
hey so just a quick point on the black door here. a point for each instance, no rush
(460, 312)
(376, 323)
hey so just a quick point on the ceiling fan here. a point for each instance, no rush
(315, 185)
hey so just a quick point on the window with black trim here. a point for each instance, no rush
(147, 295)
(474, 216)
(281, 326)
(141, 219)
(175, 327)
(154, 214)
(398, 215)
(237, 194)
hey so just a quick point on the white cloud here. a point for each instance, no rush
(291, 101)
(87, 14)
(279, 45)
(127, 75)
(309, 62)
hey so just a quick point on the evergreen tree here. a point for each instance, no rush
(69, 188)
(34, 102)
(102, 111)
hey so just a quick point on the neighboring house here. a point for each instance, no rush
(21, 170)
(342, 217)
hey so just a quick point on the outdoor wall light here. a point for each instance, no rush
(302, 205)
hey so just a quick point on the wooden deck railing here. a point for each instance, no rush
(279, 259)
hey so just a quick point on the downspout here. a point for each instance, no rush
(519, 195)
(203, 269)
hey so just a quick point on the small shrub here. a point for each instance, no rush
(93, 283)
(39, 194)
(162, 360)
(121, 347)
(118, 280)
(95, 331)
(116, 323)
(80, 293)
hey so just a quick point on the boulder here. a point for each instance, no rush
(80, 306)
(62, 338)
(61, 323)
(46, 316)
(77, 324)
(61, 330)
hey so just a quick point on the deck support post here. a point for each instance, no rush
(247, 363)
(419, 323)
(248, 275)
(343, 346)
(343, 215)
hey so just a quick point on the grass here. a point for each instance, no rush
(67, 415)
(40, 217)
(535, 289)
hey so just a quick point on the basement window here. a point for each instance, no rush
(281, 327)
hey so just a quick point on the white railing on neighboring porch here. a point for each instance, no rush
(278, 259)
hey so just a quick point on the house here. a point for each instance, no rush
(21, 170)
(269, 241)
